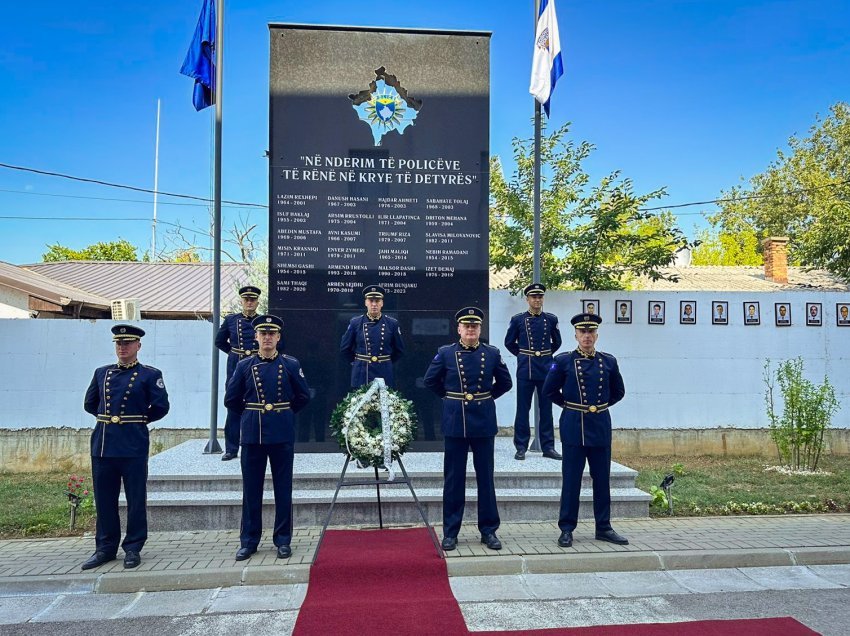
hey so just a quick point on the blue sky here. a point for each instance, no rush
(687, 94)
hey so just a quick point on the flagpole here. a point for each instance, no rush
(213, 445)
(535, 437)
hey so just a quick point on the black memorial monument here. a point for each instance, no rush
(379, 173)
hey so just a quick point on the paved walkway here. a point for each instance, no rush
(197, 560)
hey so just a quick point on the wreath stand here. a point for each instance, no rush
(377, 481)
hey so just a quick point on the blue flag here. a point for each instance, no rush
(200, 59)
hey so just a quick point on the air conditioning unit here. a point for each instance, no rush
(126, 309)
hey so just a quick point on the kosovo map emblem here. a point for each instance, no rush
(385, 106)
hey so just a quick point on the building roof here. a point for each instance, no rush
(49, 289)
(742, 278)
(719, 278)
(160, 287)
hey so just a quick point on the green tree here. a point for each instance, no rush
(726, 248)
(120, 250)
(804, 194)
(592, 237)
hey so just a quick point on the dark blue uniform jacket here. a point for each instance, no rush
(267, 394)
(371, 346)
(586, 388)
(533, 340)
(236, 338)
(469, 381)
(125, 401)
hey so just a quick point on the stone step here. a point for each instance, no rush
(205, 510)
(223, 483)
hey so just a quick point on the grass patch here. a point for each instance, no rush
(712, 485)
(35, 505)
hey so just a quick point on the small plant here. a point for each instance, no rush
(678, 469)
(77, 494)
(807, 410)
(659, 498)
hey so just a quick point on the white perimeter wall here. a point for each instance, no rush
(676, 376)
(13, 303)
(695, 376)
(46, 366)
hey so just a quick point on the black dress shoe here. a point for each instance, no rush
(284, 552)
(449, 543)
(611, 537)
(228, 456)
(97, 559)
(566, 539)
(520, 454)
(244, 553)
(132, 559)
(491, 541)
(552, 454)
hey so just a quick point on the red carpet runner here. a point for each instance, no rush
(379, 582)
(740, 627)
(393, 582)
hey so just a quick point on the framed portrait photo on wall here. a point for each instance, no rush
(719, 312)
(842, 314)
(591, 307)
(782, 314)
(752, 313)
(814, 315)
(656, 312)
(623, 312)
(688, 312)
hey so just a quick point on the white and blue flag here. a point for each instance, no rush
(547, 66)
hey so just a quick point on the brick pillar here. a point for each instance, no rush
(775, 252)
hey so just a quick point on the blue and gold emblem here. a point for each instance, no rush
(385, 106)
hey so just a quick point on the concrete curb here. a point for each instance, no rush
(647, 561)
(49, 584)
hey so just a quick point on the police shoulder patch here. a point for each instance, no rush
(553, 366)
(301, 372)
(160, 383)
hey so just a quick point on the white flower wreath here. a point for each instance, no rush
(374, 425)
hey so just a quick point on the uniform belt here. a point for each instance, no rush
(270, 406)
(586, 408)
(122, 419)
(364, 358)
(242, 352)
(536, 354)
(469, 397)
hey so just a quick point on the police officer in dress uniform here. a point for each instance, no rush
(236, 338)
(266, 390)
(372, 342)
(469, 375)
(585, 383)
(533, 336)
(125, 398)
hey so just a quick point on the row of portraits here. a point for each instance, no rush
(657, 312)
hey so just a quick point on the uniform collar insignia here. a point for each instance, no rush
(128, 366)
(589, 356)
(472, 348)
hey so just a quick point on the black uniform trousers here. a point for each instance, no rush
(599, 461)
(522, 431)
(254, 459)
(232, 424)
(454, 489)
(232, 432)
(107, 475)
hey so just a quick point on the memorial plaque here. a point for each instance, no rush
(379, 151)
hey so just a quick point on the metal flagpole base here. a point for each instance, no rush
(377, 482)
(212, 447)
